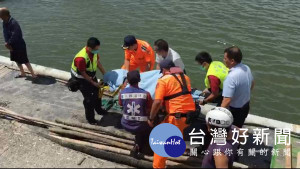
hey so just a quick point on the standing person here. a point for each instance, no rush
(84, 69)
(237, 86)
(136, 104)
(215, 76)
(173, 90)
(220, 119)
(14, 42)
(163, 51)
(138, 54)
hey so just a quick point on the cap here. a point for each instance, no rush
(166, 64)
(133, 77)
(128, 41)
(220, 117)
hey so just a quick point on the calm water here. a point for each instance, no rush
(265, 30)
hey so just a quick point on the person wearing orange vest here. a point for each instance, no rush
(138, 54)
(173, 91)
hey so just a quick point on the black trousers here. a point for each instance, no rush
(218, 100)
(142, 140)
(240, 114)
(91, 100)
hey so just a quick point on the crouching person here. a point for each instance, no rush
(136, 104)
(220, 120)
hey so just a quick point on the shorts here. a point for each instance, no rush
(19, 56)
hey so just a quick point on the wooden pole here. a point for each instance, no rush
(88, 134)
(97, 151)
(75, 134)
(110, 131)
(52, 124)
(78, 145)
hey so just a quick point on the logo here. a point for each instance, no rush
(166, 140)
(133, 109)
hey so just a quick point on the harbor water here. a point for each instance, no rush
(266, 31)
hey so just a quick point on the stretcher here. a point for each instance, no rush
(115, 81)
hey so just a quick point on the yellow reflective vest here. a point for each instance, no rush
(91, 67)
(218, 69)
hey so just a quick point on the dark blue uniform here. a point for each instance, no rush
(136, 103)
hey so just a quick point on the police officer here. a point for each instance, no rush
(136, 104)
(215, 76)
(84, 69)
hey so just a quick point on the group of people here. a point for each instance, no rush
(228, 84)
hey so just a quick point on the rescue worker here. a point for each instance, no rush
(163, 51)
(84, 69)
(136, 104)
(173, 90)
(215, 76)
(220, 119)
(138, 54)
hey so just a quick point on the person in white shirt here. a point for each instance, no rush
(163, 51)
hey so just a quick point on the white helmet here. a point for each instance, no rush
(220, 117)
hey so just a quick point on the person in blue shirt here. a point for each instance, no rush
(237, 86)
(14, 42)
